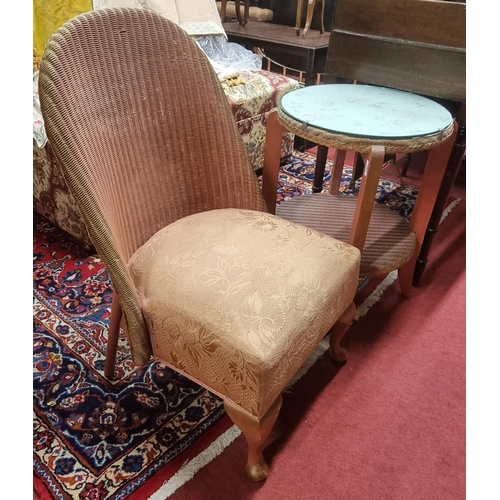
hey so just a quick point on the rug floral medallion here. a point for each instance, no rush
(95, 438)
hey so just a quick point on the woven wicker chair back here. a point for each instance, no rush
(144, 135)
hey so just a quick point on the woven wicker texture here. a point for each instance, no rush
(144, 134)
(389, 240)
(361, 144)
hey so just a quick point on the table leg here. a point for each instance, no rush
(247, 12)
(366, 196)
(457, 155)
(434, 172)
(272, 157)
(319, 170)
(298, 18)
(238, 11)
(338, 168)
(223, 6)
(309, 77)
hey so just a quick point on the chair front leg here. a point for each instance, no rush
(338, 353)
(255, 432)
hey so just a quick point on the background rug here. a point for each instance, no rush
(99, 439)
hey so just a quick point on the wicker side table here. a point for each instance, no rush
(372, 121)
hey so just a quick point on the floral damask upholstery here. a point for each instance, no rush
(211, 285)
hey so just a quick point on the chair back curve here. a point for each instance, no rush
(144, 134)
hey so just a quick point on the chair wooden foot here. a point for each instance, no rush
(255, 432)
(338, 353)
(113, 334)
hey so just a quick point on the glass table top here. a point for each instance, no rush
(366, 111)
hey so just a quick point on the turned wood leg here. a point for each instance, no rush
(113, 333)
(255, 432)
(322, 19)
(272, 155)
(247, 12)
(238, 11)
(319, 170)
(406, 164)
(309, 15)
(298, 18)
(338, 330)
(454, 164)
(366, 196)
(223, 5)
(435, 167)
(338, 169)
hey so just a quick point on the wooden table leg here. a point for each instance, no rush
(456, 158)
(246, 14)
(272, 157)
(223, 5)
(298, 18)
(238, 11)
(319, 170)
(366, 196)
(338, 168)
(434, 172)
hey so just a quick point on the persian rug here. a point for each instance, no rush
(99, 439)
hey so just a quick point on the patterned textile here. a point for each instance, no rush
(210, 285)
(51, 195)
(297, 175)
(251, 104)
(39, 135)
(95, 438)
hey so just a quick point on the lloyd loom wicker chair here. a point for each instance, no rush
(208, 282)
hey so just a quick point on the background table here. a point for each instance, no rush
(309, 53)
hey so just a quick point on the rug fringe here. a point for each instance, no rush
(190, 468)
(375, 296)
(449, 208)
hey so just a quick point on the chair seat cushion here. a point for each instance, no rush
(237, 299)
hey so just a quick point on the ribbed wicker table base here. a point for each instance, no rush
(389, 242)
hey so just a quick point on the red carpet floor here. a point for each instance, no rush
(390, 423)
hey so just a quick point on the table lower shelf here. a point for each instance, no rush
(389, 241)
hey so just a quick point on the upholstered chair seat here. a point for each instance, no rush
(238, 299)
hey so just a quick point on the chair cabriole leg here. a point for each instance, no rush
(338, 353)
(255, 432)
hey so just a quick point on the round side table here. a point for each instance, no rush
(373, 121)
